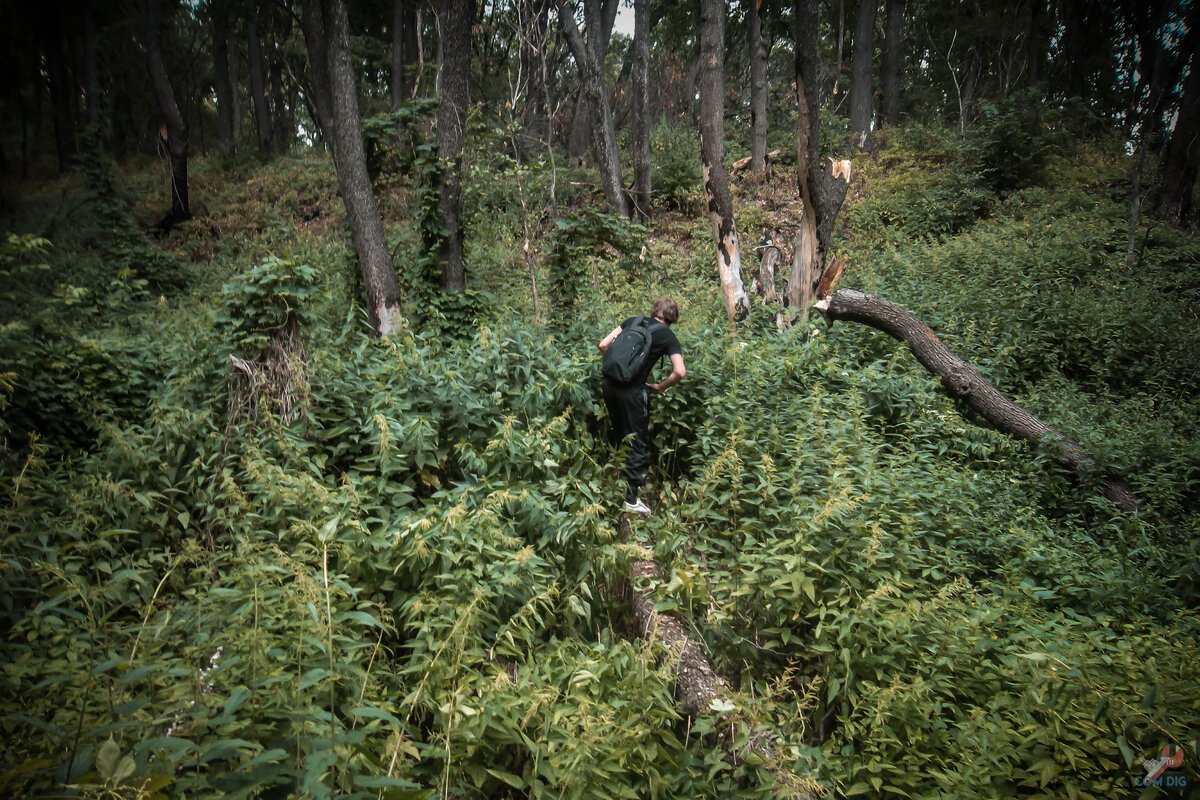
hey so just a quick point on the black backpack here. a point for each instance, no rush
(627, 354)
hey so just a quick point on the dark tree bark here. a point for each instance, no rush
(1074, 35)
(533, 26)
(282, 117)
(222, 85)
(1177, 170)
(892, 61)
(453, 72)
(258, 77)
(862, 54)
(174, 126)
(50, 30)
(640, 70)
(604, 134)
(1035, 43)
(966, 383)
(91, 72)
(712, 153)
(822, 187)
(404, 49)
(758, 90)
(599, 17)
(327, 39)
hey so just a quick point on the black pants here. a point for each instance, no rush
(629, 409)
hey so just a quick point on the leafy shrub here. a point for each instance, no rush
(676, 182)
(578, 241)
(1012, 141)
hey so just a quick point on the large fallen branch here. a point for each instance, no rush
(698, 687)
(967, 383)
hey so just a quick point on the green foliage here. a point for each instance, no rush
(578, 242)
(397, 143)
(265, 299)
(1012, 141)
(675, 154)
(415, 589)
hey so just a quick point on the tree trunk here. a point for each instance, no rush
(327, 38)
(61, 89)
(758, 91)
(282, 118)
(404, 49)
(1181, 160)
(604, 134)
(640, 70)
(599, 17)
(822, 189)
(174, 126)
(712, 153)
(455, 47)
(966, 383)
(892, 61)
(91, 79)
(862, 54)
(1035, 45)
(258, 80)
(221, 82)
(533, 26)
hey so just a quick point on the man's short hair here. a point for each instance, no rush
(666, 310)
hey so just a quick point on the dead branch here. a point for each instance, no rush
(967, 383)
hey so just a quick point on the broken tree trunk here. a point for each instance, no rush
(967, 383)
(822, 187)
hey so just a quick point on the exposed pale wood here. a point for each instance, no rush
(742, 163)
(830, 278)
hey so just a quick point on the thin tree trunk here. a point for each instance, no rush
(533, 27)
(966, 383)
(599, 17)
(282, 129)
(1034, 47)
(862, 54)
(1180, 162)
(758, 91)
(712, 153)
(231, 47)
(61, 90)
(404, 49)
(221, 83)
(455, 47)
(175, 127)
(822, 188)
(891, 61)
(327, 37)
(640, 70)
(604, 134)
(258, 80)
(91, 79)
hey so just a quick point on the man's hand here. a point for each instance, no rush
(657, 388)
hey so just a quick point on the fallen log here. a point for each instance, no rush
(967, 383)
(698, 687)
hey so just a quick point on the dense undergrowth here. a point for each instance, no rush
(415, 588)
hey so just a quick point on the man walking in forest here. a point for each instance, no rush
(630, 352)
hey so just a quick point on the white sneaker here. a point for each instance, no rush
(639, 507)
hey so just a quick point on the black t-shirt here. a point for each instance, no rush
(662, 342)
